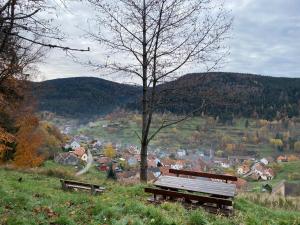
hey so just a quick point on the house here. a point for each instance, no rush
(264, 161)
(264, 173)
(223, 162)
(270, 159)
(67, 158)
(67, 146)
(258, 168)
(268, 174)
(75, 145)
(96, 144)
(239, 159)
(132, 161)
(282, 158)
(178, 164)
(243, 169)
(103, 163)
(255, 176)
(79, 152)
(181, 153)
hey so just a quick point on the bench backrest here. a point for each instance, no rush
(79, 183)
(202, 174)
(203, 199)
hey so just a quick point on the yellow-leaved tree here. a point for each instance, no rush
(29, 140)
(109, 151)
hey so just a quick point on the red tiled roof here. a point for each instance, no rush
(80, 151)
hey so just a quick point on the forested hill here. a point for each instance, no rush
(83, 96)
(225, 94)
(222, 94)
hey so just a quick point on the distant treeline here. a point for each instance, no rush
(218, 94)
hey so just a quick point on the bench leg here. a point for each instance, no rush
(93, 192)
(63, 185)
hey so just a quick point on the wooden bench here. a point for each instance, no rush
(225, 178)
(211, 204)
(71, 185)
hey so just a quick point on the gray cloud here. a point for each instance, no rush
(264, 40)
(265, 37)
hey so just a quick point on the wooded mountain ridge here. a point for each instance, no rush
(222, 94)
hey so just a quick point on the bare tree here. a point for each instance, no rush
(154, 40)
(24, 31)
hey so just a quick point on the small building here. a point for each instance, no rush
(263, 172)
(264, 161)
(243, 169)
(75, 145)
(268, 174)
(132, 161)
(282, 158)
(103, 163)
(181, 153)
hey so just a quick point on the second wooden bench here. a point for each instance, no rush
(70, 184)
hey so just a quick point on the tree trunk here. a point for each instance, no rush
(144, 164)
(144, 143)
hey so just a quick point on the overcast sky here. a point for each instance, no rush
(265, 39)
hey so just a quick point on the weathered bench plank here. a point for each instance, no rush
(202, 174)
(196, 185)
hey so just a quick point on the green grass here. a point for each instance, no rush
(38, 199)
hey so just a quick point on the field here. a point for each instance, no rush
(38, 199)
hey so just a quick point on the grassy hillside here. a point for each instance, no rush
(38, 199)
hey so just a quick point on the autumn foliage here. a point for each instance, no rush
(29, 140)
(6, 139)
(109, 151)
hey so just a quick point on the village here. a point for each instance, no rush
(124, 161)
